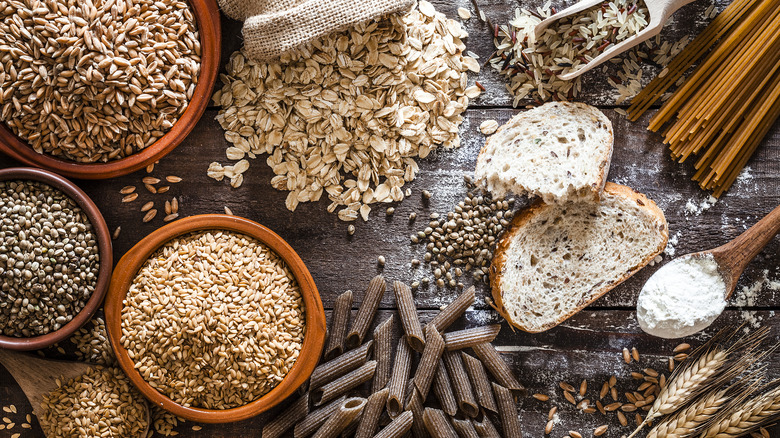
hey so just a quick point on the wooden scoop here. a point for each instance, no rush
(658, 10)
(733, 257)
(37, 377)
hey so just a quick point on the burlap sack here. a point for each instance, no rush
(272, 27)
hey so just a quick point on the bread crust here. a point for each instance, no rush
(604, 162)
(500, 257)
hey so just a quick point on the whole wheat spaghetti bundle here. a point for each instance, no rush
(720, 114)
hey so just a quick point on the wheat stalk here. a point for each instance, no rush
(711, 365)
(746, 417)
(691, 418)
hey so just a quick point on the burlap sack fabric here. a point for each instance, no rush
(272, 27)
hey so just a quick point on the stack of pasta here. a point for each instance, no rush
(723, 110)
(467, 398)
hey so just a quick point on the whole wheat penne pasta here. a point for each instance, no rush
(479, 380)
(351, 360)
(408, 392)
(371, 413)
(507, 411)
(485, 427)
(346, 413)
(500, 370)
(460, 383)
(366, 311)
(442, 388)
(409, 318)
(434, 347)
(343, 384)
(383, 339)
(398, 427)
(470, 337)
(415, 405)
(454, 310)
(349, 432)
(339, 325)
(315, 418)
(402, 366)
(437, 425)
(464, 428)
(287, 419)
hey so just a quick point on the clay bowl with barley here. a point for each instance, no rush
(206, 15)
(134, 260)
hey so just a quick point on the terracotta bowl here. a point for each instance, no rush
(208, 20)
(104, 250)
(313, 341)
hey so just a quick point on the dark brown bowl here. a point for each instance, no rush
(208, 20)
(104, 250)
(313, 341)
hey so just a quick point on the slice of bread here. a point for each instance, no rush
(559, 151)
(558, 258)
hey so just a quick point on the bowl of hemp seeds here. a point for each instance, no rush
(94, 90)
(55, 258)
(214, 318)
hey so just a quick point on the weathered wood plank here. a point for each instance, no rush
(586, 348)
(640, 161)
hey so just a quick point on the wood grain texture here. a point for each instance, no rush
(585, 347)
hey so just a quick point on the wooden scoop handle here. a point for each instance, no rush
(734, 256)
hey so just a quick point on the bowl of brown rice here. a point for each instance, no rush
(108, 88)
(215, 318)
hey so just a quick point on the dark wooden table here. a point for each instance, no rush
(587, 346)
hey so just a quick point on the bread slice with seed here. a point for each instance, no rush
(559, 151)
(558, 258)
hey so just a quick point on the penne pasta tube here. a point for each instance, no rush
(402, 367)
(287, 419)
(383, 339)
(464, 428)
(398, 427)
(409, 318)
(442, 388)
(460, 383)
(343, 384)
(507, 411)
(415, 405)
(454, 310)
(345, 414)
(479, 380)
(434, 347)
(371, 413)
(339, 325)
(500, 370)
(349, 361)
(470, 337)
(437, 425)
(315, 418)
(366, 312)
(485, 428)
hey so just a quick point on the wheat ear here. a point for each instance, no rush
(709, 366)
(699, 414)
(746, 417)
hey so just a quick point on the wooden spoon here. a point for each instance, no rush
(38, 377)
(658, 10)
(733, 257)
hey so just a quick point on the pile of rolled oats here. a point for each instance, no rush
(349, 113)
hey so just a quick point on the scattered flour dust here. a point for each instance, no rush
(746, 297)
(671, 244)
(696, 208)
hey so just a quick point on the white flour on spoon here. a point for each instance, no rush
(682, 298)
